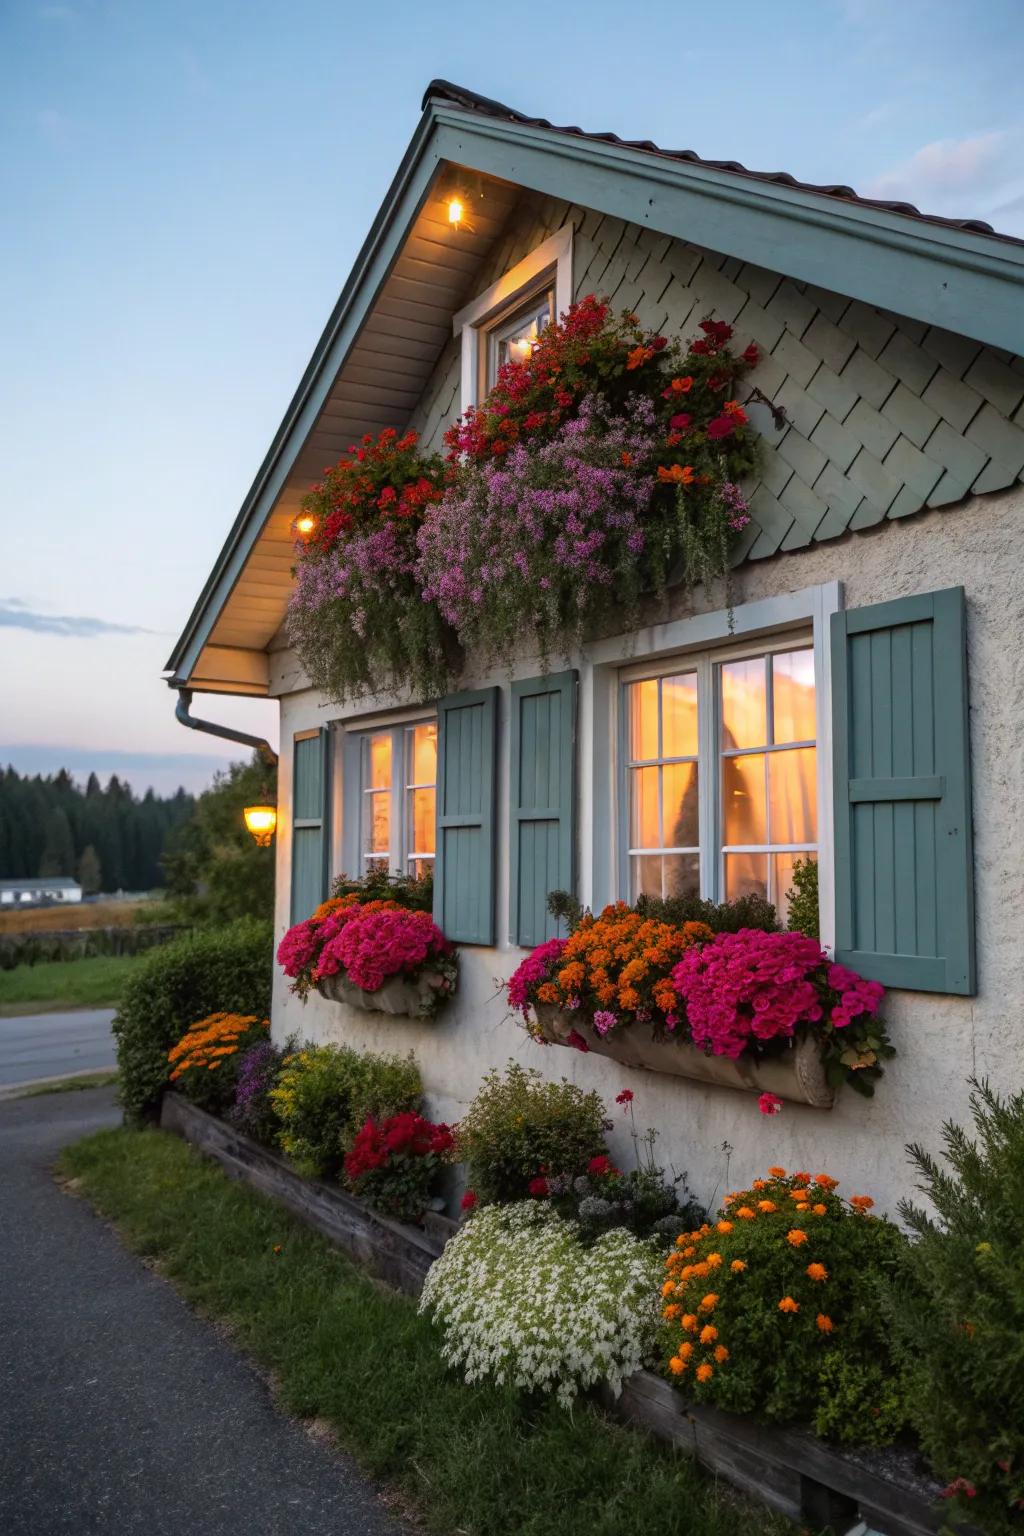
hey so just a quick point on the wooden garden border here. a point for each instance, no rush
(793, 1472)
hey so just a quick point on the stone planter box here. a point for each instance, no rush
(398, 996)
(801, 1477)
(396, 1253)
(796, 1074)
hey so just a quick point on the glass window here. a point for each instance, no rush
(398, 777)
(512, 339)
(662, 787)
(769, 775)
(755, 795)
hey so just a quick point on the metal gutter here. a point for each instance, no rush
(225, 732)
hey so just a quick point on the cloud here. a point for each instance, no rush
(974, 177)
(14, 614)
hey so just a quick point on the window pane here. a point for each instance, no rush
(793, 796)
(644, 829)
(679, 715)
(422, 765)
(420, 831)
(743, 799)
(643, 719)
(782, 879)
(679, 806)
(746, 874)
(377, 831)
(682, 874)
(379, 773)
(645, 877)
(744, 706)
(420, 867)
(793, 696)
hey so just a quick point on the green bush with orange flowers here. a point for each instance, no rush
(773, 1310)
(204, 1063)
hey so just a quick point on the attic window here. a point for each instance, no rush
(498, 326)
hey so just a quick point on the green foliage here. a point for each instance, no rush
(226, 970)
(215, 871)
(750, 911)
(95, 982)
(519, 1127)
(325, 1093)
(49, 825)
(642, 1201)
(804, 1336)
(348, 1352)
(959, 1317)
(803, 898)
(378, 884)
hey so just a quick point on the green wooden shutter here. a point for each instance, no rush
(310, 779)
(464, 861)
(541, 802)
(903, 862)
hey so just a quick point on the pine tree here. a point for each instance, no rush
(58, 856)
(90, 875)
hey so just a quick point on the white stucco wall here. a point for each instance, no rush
(940, 1040)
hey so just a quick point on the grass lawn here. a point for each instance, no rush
(342, 1350)
(64, 1085)
(56, 984)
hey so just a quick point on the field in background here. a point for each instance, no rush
(59, 984)
(86, 914)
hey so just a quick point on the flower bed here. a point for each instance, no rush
(377, 954)
(766, 1012)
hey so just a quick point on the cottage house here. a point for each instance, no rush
(858, 698)
(59, 888)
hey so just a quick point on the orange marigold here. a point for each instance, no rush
(685, 1349)
(825, 1181)
(777, 1172)
(824, 1323)
(861, 1202)
(737, 1266)
(724, 1226)
(676, 1366)
(817, 1271)
(819, 1210)
(787, 1304)
(746, 1213)
(708, 1334)
(705, 1372)
(767, 1206)
(796, 1237)
(709, 1302)
(721, 1353)
(689, 1322)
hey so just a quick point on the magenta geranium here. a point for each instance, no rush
(372, 946)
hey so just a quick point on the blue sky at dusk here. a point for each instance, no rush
(186, 182)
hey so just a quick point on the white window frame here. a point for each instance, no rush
(776, 623)
(549, 265)
(351, 855)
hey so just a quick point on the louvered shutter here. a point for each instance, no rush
(310, 778)
(541, 802)
(464, 861)
(903, 860)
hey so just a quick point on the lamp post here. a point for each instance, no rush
(261, 821)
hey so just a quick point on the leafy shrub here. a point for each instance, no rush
(751, 911)
(213, 1046)
(520, 1128)
(773, 1310)
(252, 1111)
(393, 1164)
(960, 1322)
(379, 884)
(325, 1093)
(521, 1300)
(229, 969)
(803, 898)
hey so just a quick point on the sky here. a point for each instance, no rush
(184, 186)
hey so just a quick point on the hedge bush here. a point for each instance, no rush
(212, 970)
(324, 1095)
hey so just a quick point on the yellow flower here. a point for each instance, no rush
(705, 1372)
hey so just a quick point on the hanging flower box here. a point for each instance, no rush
(797, 1074)
(415, 997)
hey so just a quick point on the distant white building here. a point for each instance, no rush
(51, 888)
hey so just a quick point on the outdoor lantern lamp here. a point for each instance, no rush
(304, 524)
(455, 211)
(261, 821)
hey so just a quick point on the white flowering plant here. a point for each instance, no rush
(522, 1301)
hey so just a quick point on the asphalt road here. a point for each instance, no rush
(53, 1044)
(121, 1411)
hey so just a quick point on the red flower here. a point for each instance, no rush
(721, 426)
(625, 1097)
(959, 1485)
(751, 355)
(770, 1104)
(539, 1186)
(716, 331)
(469, 1200)
(576, 1040)
(681, 422)
(601, 1165)
(658, 343)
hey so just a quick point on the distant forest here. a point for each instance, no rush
(106, 838)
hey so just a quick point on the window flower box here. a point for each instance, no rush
(415, 998)
(796, 1074)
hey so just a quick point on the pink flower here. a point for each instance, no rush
(371, 946)
(770, 1104)
(604, 1021)
(539, 966)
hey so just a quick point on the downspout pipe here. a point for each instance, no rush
(182, 715)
